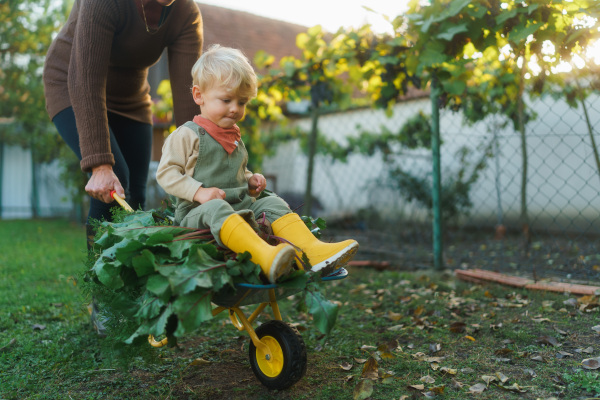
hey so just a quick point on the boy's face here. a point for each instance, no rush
(220, 105)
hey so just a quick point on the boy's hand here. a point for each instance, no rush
(206, 194)
(256, 184)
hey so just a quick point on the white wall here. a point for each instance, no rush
(17, 186)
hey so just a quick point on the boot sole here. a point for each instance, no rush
(282, 264)
(336, 261)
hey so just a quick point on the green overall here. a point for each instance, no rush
(216, 168)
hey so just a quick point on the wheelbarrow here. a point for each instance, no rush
(277, 352)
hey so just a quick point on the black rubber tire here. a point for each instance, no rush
(293, 350)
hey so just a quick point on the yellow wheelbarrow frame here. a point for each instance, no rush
(272, 348)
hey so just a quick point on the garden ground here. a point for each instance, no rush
(400, 334)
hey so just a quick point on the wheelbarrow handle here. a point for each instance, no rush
(119, 199)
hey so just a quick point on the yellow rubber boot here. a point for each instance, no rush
(321, 256)
(239, 237)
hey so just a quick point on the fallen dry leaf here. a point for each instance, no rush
(503, 378)
(560, 331)
(389, 346)
(417, 387)
(503, 352)
(419, 310)
(446, 370)
(458, 327)
(488, 379)
(363, 390)
(587, 299)
(591, 363)
(396, 328)
(563, 354)
(370, 369)
(547, 340)
(530, 372)
(540, 320)
(434, 359)
(438, 389)
(588, 350)
(346, 366)
(514, 388)
(456, 384)
(570, 302)
(427, 379)
(477, 388)
(386, 374)
(358, 288)
(435, 347)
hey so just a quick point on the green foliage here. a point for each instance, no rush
(152, 278)
(316, 226)
(587, 380)
(26, 30)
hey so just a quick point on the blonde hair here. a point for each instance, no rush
(225, 67)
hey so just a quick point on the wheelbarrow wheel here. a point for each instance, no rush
(287, 364)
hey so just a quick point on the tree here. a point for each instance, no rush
(27, 28)
(26, 31)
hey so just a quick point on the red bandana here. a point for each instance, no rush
(227, 137)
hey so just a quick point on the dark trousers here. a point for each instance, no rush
(131, 145)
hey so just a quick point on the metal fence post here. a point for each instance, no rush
(436, 174)
(312, 149)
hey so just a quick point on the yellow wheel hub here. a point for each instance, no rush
(273, 366)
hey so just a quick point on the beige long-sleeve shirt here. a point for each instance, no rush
(99, 62)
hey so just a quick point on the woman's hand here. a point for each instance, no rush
(256, 184)
(102, 182)
(203, 194)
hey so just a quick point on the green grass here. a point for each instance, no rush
(398, 320)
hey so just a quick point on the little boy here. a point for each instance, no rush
(203, 165)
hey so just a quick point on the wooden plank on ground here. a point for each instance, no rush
(482, 276)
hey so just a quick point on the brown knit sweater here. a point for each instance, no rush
(99, 62)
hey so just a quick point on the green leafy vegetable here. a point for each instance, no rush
(159, 279)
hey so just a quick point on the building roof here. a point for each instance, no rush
(249, 32)
(242, 30)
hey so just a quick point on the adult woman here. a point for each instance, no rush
(97, 93)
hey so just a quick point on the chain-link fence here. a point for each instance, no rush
(545, 223)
